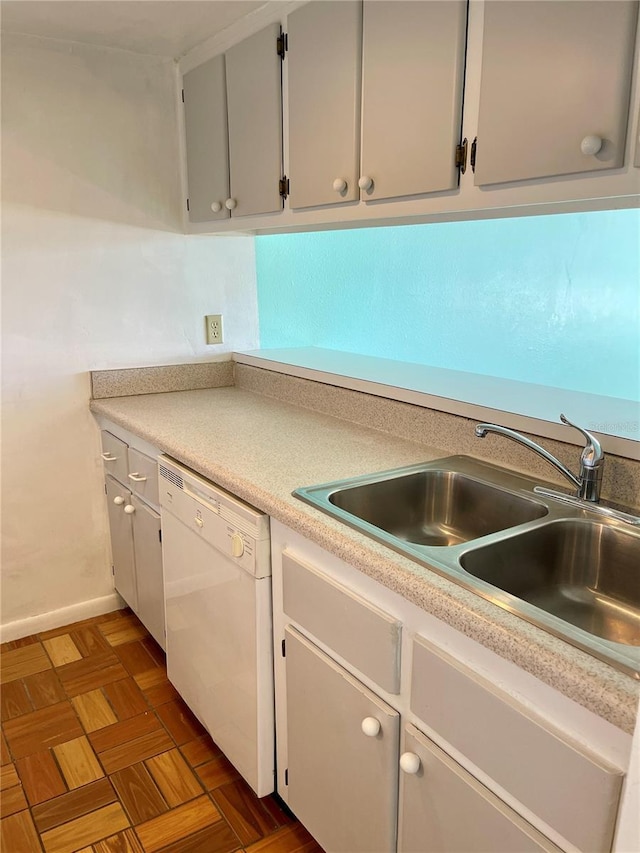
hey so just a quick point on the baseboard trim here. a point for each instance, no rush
(57, 618)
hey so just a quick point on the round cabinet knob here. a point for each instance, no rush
(371, 726)
(409, 762)
(230, 203)
(129, 509)
(237, 545)
(119, 500)
(216, 206)
(339, 185)
(590, 145)
(365, 182)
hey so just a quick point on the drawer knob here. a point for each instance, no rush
(137, 478)
(591, 145)
(370, 726)
(365, 182)
(339, 185)
(216, 207)
(118, 500)
(199, 522)
(410, 762)
(129, 509)
(230, 203)
(108, 457)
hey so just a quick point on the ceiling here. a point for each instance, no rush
(168, 28)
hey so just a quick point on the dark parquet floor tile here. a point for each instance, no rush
(101, 755)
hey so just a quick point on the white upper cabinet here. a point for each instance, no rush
(233, 130)
(554, 92)
(254, 95)
(323, 89)
(413, 70)
(207, 140)
(381, 96)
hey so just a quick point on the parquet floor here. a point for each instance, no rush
(100, 755)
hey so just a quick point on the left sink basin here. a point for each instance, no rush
(436, 507)
(440, 503)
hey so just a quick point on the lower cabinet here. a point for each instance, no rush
(343, 748)
(147, 548)
(443, 808)
(421, 754)
(122, 550)
(135, 529)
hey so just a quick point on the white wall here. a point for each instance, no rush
(95, 274)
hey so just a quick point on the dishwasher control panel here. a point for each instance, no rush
(232, 527)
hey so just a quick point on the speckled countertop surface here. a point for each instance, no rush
(261, 449)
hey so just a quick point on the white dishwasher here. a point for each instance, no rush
(217, 572)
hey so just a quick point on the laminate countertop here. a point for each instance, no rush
(261, 449)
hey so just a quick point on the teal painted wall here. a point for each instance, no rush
(549, 299)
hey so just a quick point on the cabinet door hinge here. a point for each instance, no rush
(461, 156)
(286, 776)
(283, 648)
(282, 44)
(160, 536)
(105, 489)
(187, 205)
(113, 569)
(283, 187)
(474, 152)
(183, 96)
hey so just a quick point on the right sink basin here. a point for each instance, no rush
(581, 571)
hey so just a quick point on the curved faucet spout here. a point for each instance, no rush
(591, 460)
(483, 429)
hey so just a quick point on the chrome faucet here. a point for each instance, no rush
(587, 483)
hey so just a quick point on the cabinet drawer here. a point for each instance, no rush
(362, 634)
(114, 457)
(143, 476)
(570, 790)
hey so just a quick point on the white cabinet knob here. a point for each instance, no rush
(216, 206)
(230, 203)
(365, 182)
(129, 509)
(591, 145)
(119, 500)
(339, 185)
(410, 762)
(371, 726)
(237, 545)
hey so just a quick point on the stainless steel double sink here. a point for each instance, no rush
(569, 568)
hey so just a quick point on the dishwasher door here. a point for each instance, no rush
(219, 639)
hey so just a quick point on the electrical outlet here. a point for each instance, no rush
(214, 328)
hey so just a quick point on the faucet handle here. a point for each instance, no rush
(592, 455)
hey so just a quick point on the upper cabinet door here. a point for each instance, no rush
(254, 102)
(324, 82)
(207, 145)
(555, 86)
(413, 67)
